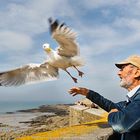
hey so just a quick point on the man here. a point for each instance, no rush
(124, 117)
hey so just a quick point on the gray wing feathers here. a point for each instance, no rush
(30, 73)
(67, 40)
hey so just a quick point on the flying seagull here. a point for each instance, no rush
(66, 55)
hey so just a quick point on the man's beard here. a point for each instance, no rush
(125, 83)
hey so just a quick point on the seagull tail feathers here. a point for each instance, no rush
(77, 61)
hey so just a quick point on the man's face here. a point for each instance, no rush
(127, 75)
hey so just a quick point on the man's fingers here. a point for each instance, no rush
(74, 94)
(71, 91)
(78, 90)
(113, 110)
(74, 89)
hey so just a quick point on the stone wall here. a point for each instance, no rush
(80, 114)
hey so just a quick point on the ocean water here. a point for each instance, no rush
(12, 106)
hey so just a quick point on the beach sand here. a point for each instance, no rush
(27, 122)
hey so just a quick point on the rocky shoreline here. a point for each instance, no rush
(27, 122)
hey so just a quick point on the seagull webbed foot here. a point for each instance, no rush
(74, 79)
(80, 73)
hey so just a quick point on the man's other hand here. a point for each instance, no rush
(113, 110)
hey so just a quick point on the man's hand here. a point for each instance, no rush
(113, 110)
(78, 90)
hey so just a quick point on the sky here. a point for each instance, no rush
(108, 32)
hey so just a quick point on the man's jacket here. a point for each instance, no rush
(127, 120)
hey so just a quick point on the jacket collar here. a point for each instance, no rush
(131, 94)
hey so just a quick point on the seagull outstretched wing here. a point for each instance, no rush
(30, 73)
(66, 39)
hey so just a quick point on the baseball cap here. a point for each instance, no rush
(134, 60)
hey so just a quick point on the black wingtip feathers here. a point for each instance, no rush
(53, 24)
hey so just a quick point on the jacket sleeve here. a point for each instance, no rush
(104, 103)
(127, 119)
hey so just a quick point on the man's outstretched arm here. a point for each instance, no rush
(104, 103)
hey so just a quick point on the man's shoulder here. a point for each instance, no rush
(137, 94)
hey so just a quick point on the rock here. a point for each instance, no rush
(87, 103)
(42, 123)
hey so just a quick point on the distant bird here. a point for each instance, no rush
(66, 55)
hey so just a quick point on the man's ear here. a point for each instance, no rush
(137, 74)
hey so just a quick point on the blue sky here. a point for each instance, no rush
(108, 31)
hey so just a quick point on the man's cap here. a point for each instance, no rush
(134, 60)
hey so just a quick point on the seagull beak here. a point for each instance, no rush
(47, 49)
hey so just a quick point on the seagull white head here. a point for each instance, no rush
(46, 47)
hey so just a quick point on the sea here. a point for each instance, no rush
(13, 106)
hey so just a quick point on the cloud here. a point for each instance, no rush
(31, 17)
(14, 41)
(129, 23)
(120, 34)
(101, 3)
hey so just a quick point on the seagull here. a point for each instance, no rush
(66, 55)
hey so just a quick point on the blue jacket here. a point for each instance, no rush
(127, 120)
